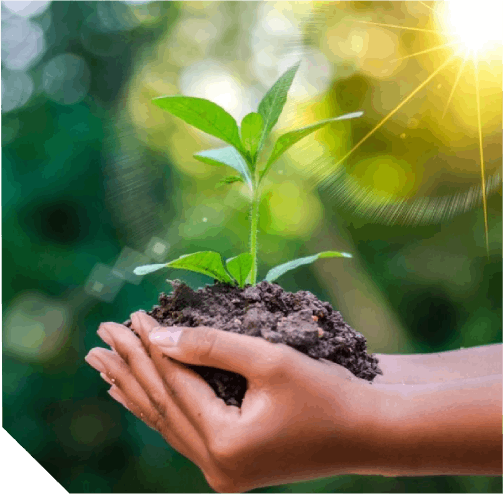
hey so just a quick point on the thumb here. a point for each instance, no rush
(211, 347)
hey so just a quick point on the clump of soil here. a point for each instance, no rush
(265, 310)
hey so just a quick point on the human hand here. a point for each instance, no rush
(300, 418)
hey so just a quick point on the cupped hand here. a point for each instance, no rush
(300, 418)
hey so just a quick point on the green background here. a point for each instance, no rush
(89, 188)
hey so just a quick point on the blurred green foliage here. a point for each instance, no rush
(82, 183)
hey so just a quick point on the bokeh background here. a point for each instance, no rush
(96, 181)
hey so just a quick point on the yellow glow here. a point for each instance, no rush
(387, 175)
(475, 24)
(293, 212)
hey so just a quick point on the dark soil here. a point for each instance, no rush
(265, 310)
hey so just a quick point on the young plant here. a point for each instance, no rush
(242, 155)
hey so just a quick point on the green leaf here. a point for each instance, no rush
(231, 179)
(148, 268)
(278, 271)
(226, 156)
(239, 267)
(208, 263)
(204, 115)
(290, 138)
(272, 103)
(251, 130)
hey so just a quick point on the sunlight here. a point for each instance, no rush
(471, 32)
(329, 182)
(477, 26)
(481, 151)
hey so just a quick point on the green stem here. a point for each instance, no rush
(254, 230)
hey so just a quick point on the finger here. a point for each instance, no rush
(121, 398)
(114, 371)
(130, 349)
(143, 325)
(246, 355)
(206, 405)
(136, 400)
(251, 357)
(175, 425)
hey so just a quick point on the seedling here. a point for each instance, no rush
(246, 144)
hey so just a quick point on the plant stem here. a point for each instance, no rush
(254, 230)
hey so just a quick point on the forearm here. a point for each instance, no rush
(465, 363)
(450, 428)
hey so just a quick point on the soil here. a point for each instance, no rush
(265, 310)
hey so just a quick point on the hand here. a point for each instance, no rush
(300, 418)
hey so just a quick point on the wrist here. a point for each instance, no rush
(367, 427)
(468, 363)
(450, 428)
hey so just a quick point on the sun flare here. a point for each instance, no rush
(461, 41)
(476, 25)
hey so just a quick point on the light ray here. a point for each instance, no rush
(460, 71)
(397, 26)
(392, 112)
(390, 209)
(484, 199)
(427, 51)
(427, 6)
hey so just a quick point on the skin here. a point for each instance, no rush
(449, 408)
(301, 418)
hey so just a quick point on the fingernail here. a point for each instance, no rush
(135, 320)
(165, 336)
(117, 395)
(105, 335)
(106, 378)
(95, 362)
